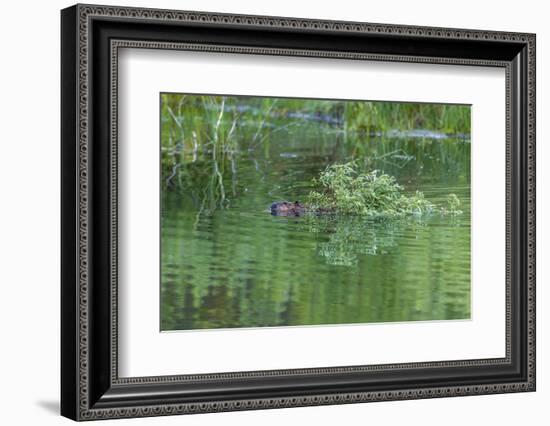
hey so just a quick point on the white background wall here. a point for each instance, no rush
(29, 212)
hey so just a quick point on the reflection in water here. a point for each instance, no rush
(242, 267)
(351, 237)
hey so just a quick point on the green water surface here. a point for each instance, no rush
(239, 266)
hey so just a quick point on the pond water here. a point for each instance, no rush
(239, 266)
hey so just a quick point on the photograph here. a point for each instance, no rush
(266, 209)
(278, 211)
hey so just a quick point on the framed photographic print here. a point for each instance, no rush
(263, 212)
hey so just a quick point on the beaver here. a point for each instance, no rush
(287, 208)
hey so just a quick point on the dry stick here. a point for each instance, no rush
(278, 129)
(233, 125)
(214, 159)
(173, 174)
(176, 164)
(199, 213)
(174, 117)
(260, 127)
(383, 158)
(232, 158)
(195, 146)
(180, 103)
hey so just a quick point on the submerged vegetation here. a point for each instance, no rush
(346, 190)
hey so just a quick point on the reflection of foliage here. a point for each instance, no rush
(345, 190)
(385, 116)
(245, 268)
(453, 205)
(352, 236)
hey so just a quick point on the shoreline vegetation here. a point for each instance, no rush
(221, 131)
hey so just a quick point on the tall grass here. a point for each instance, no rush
(385, 116)
(195, 123)
(202, 129)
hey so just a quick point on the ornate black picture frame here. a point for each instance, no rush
(91, 36)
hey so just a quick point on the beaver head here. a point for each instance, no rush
(286, 208)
